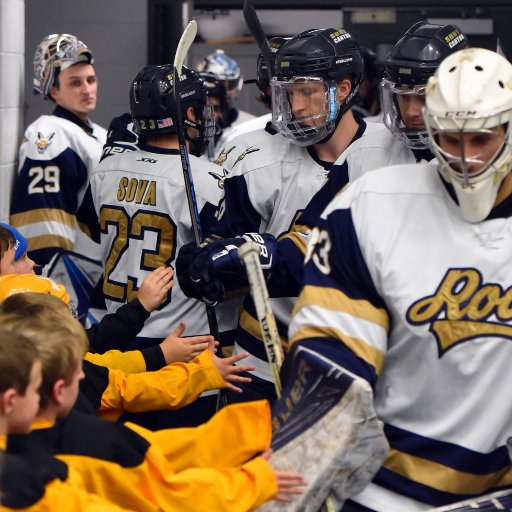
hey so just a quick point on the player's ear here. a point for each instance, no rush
(57, 391)
(343, 89)
(191, 114)
(7, 401)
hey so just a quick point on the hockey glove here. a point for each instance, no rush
(217, 268)
(207, 289)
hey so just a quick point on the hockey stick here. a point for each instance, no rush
(253, 22)
(501, 500)
(250, 255)
(186, 40)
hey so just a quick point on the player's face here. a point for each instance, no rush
(307, 99)
(8, 265)
(217, 108)
(70, 391)
(475, 149)
(410, 109)
(77, 89)
(25, 407)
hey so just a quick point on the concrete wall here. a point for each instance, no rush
(12, 46)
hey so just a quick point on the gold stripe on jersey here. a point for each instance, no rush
(299, 239)
(444, 478)
(370, 354)
(252, 326)
(43, 215)
(335, 300)
(85, 229)
(44, 241)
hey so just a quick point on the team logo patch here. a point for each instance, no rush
(248, 151)
(43, 141)
(220, 177)
(223, 156)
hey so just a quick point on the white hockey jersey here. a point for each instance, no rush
(270, 183)
(56, 157)
(399, 289)
(142, 219)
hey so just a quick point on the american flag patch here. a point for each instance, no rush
(164, 123)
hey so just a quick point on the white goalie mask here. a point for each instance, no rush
(55, 53)
(471, 96)
(308, 92)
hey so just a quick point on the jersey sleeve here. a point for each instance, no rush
(171, 387)
(288, 269)
(339, 312)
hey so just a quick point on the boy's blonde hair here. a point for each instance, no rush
(17, 357)
(59, 338)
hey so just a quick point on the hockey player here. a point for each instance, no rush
(58, 151)
(137, 198)
(274, 175)
(408, 66)
(407, 284)
(226, 69)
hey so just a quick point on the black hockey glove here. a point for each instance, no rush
(217, 267)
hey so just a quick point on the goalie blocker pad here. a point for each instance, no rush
(325, 426)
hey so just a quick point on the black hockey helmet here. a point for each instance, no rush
(153, 107)
(327, 55)
(263, 78)
(409, 65)
(330, 53)
(417, 55)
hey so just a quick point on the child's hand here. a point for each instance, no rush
(289, 483)
(231, 373)
(176, 349)
(154, 288)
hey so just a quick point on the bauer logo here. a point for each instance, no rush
(344, 60)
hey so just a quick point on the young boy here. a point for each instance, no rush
(13, 252)
(180, 469)
(111, 391)
(36, 481)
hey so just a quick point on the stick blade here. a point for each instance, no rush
(501, 500)
(186, 40)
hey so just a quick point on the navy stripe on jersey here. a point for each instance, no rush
(415, 490)
(349, 272)
(31, 193)
(448, 454)
(236, 206)
(336, 180)
(87, 218)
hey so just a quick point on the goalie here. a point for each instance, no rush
(408, 284)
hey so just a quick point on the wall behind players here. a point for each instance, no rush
(116, 32)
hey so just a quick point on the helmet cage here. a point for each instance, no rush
(412, 138)
(456, 166)
(308, 130)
